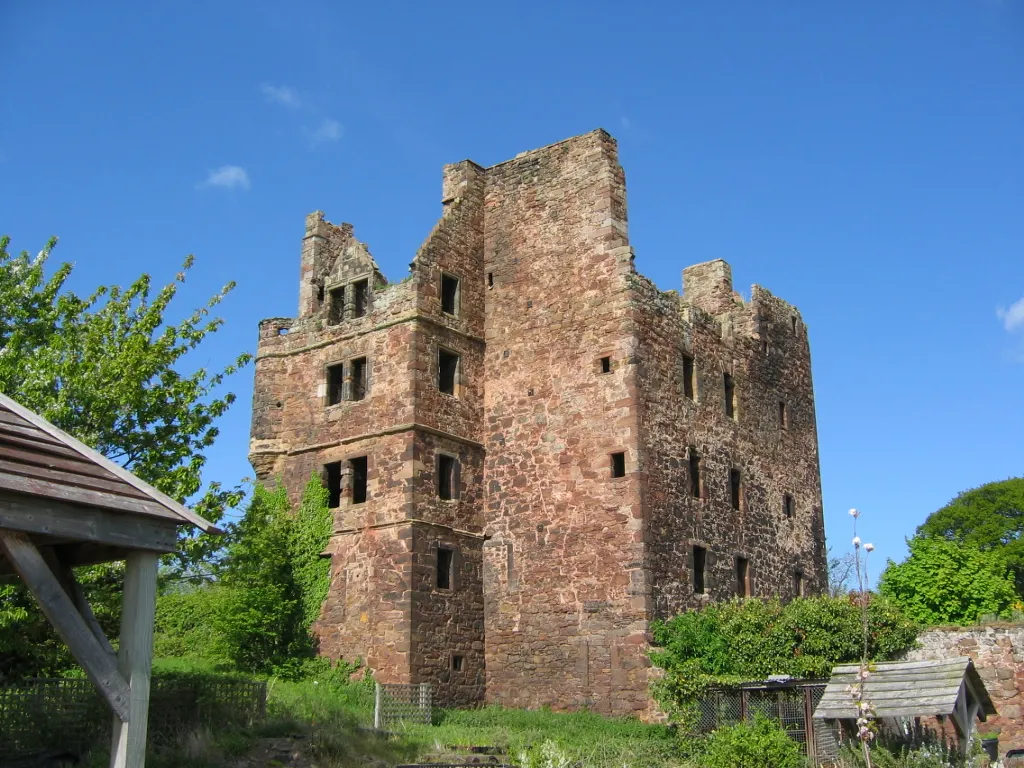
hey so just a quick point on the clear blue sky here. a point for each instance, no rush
(864, 160)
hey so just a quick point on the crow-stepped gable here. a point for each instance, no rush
(532, 452)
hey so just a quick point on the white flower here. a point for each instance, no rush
(854, 513)
(856, 541)
(869, 547)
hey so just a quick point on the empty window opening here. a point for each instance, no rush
(689, 381)
(787, 506)
(335, 383)
(445, 563)
(618, 465)
(735, 488)
(320, 294)
(764, 346)
(798, 583)
(447, 371)
(457, 663)
(792, 321)
(783, 415)
(742, 577)
(447, 477)
(358, 468)
(359, 378)
(695, 489)
(361, 297)
(606, 365)
(449, 294)
(332, 479)
(700, 558)
(336, 310)
(490, 279)
(730, 396)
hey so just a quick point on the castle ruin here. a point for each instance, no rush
(531, 451)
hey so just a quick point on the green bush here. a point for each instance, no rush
(747, 640)
(752, 745)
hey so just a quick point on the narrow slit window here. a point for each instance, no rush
(695, 489)
(798, 583)
(730, 396)
(359, 378)
(700, 559)
(336, 309)
(792, 321)
(320, 295)
(742, 577)
(606, 365)
(449, 294)
(447, 477)
(332, 479)
(788, 506)
(361, 297)
(447, 371)
(618, 465)
(358, 468)
(490, 279)
(445, 563)
(735, 488)
(335, 383)
(457, 663)
(783, 415)
(689, 380)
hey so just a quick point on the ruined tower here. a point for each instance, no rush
(532, 451)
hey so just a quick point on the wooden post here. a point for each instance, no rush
(377, 719)
(135, 658)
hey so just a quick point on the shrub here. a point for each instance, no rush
(748, 744)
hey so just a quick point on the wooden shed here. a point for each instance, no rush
(62, 505)
(911, 689)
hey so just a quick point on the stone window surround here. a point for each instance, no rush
(348, 291)
(346, 381)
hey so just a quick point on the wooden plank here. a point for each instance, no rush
(22, 441)
(99, 665)
(29, 432)
(38, 487)
(52, 518)
(73, 463)
(107, 484)
(135, 658)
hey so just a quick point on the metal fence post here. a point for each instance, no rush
(425, 702)
(376, 706)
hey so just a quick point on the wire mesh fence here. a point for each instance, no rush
(396, 702)
(790, 704)
(37, 715)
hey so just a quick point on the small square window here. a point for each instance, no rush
(700, 557)
(449, 294)
(358, 468)
(332, 480)
(735, 488)
(742, 577)
(788, 506)
(447, 477)
(335, 383)
(447, 371)
(606, 365)
(618, 465)
(783, 415)
(336, 308)
(689, 379)
(359, 388)
(457, 663)
(361, 297)
(445, 564)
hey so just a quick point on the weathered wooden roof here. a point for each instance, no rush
(39, 460)
(905, 689)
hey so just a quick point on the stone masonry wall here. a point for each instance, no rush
(998, 654)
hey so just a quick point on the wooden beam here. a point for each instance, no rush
(49, 517)
(135, 658)
(58, 608)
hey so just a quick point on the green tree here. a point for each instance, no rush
(947, 582)
(106, 369)
(990, 518)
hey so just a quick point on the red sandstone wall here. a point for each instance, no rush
(566, 601)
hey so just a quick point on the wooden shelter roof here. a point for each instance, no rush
(906, 689)
(38, 459)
